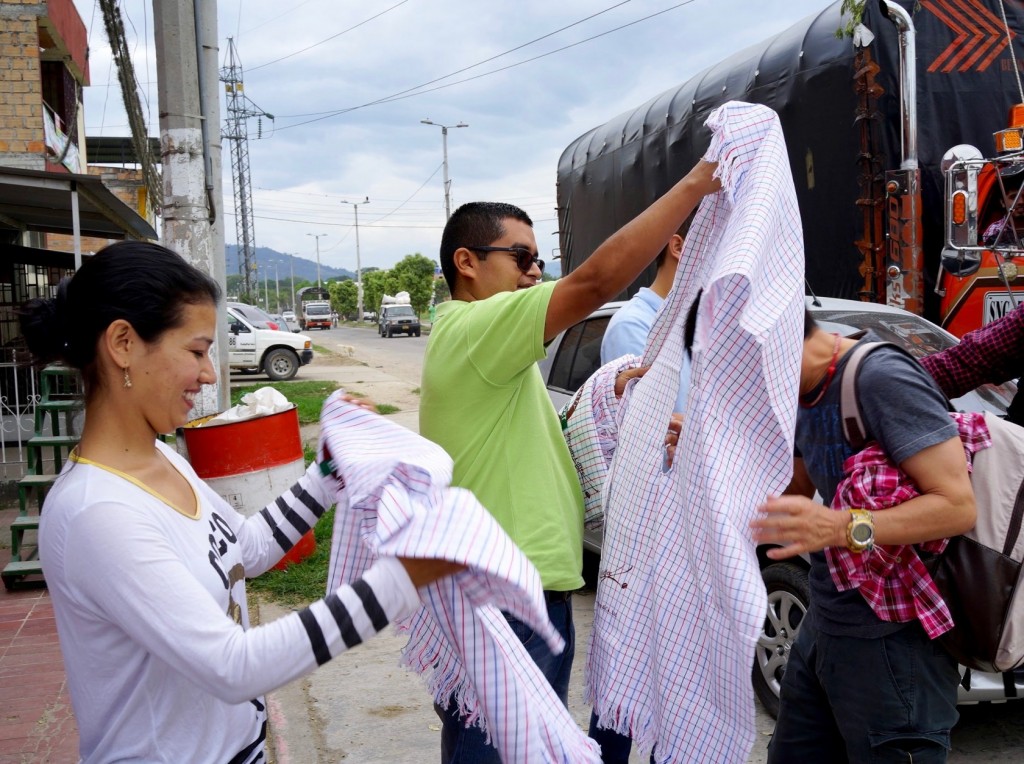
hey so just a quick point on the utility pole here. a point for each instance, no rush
(359, 269)
(317, 237)
(236, 130)
(277, 288)
(186, 58)
(291, 273)
(444, 145)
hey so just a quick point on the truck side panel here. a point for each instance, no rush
(966, 85)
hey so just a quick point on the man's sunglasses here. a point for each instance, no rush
(524, 257)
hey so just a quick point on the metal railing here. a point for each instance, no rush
(20, 394)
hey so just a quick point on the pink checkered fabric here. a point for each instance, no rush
(680, 600)
(891, 578)
(395, 500)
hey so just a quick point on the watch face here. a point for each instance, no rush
(862, 533)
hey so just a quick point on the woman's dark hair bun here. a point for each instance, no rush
(44, 326)
(142, 283)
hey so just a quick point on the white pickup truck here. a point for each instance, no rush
(252, 347)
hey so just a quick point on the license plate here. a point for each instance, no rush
(998, 304)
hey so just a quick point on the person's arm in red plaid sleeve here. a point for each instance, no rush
(994, 353)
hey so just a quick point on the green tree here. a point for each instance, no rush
(343, 297)
(441, 292)
(415, 275)
(374, 286)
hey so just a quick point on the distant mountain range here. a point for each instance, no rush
(306, 269)
(303, 268)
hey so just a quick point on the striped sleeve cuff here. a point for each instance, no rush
(292, 514)
(352, 614)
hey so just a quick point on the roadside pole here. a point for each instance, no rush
(185, 33)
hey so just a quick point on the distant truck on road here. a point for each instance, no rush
(314, 308)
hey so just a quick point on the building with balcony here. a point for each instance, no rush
(54, 208)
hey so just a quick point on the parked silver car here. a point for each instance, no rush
(575, 354)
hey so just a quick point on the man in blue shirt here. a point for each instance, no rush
(628, 329)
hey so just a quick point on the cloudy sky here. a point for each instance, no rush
(348, 84)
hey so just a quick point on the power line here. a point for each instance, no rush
(402, 95)
(484, 61)
(333, 36)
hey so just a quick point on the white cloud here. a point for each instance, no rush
(521, 119)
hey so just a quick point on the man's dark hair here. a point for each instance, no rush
(682, 231)
(476, 224)
(690, 327)
(809, 323)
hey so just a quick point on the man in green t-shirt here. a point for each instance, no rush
(484, 401)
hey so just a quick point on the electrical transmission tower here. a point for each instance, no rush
(236, 130)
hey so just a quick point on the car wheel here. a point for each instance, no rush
(417, 332)
(788, 595)
(387, 332)
(280, 364)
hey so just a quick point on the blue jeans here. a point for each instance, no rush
(467, 745)
(845, 699)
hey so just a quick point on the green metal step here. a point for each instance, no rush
(37, 481)
(44, 441)
(25, 523)
(14, 574)
(68, 404)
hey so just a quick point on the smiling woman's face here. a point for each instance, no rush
(171, 371)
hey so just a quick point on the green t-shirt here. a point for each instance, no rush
(483, 400)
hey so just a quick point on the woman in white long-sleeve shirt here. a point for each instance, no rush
(145, 564)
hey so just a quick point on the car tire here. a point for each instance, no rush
(280, 364)
(788, 598)
(417, 332)
(387, 332)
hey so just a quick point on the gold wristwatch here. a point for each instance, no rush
(860, 533)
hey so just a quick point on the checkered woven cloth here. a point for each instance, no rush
(590, 426)
(891, 578)
(680, 601)
(395, 500)
(993, 353)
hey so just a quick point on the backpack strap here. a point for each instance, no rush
(849, 410)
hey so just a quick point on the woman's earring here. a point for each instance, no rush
(127, 379)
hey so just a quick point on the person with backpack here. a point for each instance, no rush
(859, 688)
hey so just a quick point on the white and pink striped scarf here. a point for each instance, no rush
(680, 600)
(395, 500)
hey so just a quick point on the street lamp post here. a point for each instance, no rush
(359, 269)
(316, 236)
(291, 266)
(277, 287)
(444, 145)
(266, 288)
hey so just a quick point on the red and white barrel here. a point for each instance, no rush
(250, 463)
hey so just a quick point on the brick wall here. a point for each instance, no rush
(21, 100)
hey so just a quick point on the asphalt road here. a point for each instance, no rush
(364, 708)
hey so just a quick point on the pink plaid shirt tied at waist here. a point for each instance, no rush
(395, 500)
(892, 578)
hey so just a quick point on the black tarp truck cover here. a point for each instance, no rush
(966, 84)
